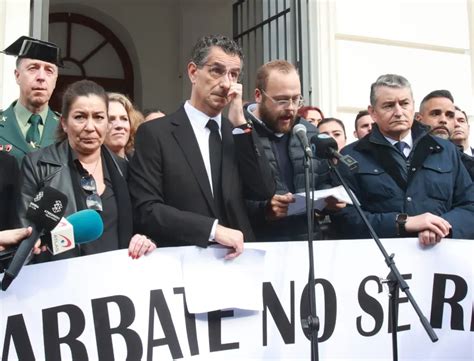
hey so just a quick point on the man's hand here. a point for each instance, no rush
(333, 204)
(38, 248)
(428, 237)
(230, 238)
(13, 236)
(236, 108)
(430, 228)
(277, 207)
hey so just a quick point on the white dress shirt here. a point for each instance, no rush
(468, 151)
(408, 141)
(198, 121)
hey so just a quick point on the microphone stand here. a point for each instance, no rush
(311, 322)
(394, 279)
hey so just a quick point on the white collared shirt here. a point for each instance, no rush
(408, 141)
(198, 121)
(468, 151)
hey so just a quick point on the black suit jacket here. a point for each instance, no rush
(170, 189)
(9, 191)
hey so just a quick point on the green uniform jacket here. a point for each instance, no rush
(12, 140)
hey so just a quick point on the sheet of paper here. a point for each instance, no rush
(212, 283)
(299, 206)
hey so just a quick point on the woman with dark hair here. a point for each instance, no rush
(124, 120)
(88, 173)
(336, 129)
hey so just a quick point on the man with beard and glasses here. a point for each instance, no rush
(192, 168)
(28, 123)
(273, 116)
(438, 111)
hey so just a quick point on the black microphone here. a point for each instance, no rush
(299, 130)
(326, 148)
(44, 212)
(87, 226)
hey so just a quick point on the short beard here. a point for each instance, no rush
(441, 135)
(271, 122)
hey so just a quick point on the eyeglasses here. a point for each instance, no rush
(285, 103)
(217, 72)
(93, 200)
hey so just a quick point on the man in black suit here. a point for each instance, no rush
(460, 134)
(191, 169)
(460, 137)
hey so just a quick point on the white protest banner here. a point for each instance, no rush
(109, 306)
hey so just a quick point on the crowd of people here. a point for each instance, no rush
(197, 177)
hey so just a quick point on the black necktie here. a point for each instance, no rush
(215, 156)
(33, 134)
(401, 147)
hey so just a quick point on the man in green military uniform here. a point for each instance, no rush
(28, 123)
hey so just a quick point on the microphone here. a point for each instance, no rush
(44, 212)
(78, 228)
(326, 148)
(299, 130)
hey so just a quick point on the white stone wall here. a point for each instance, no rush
(351, 43)
(14, 22)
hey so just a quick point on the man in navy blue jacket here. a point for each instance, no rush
(409, 183)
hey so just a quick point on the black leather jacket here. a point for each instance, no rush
(49, 167)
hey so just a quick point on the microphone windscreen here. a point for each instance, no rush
(324, 145)
(298, 128)
(46, 209)
(87, 225)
